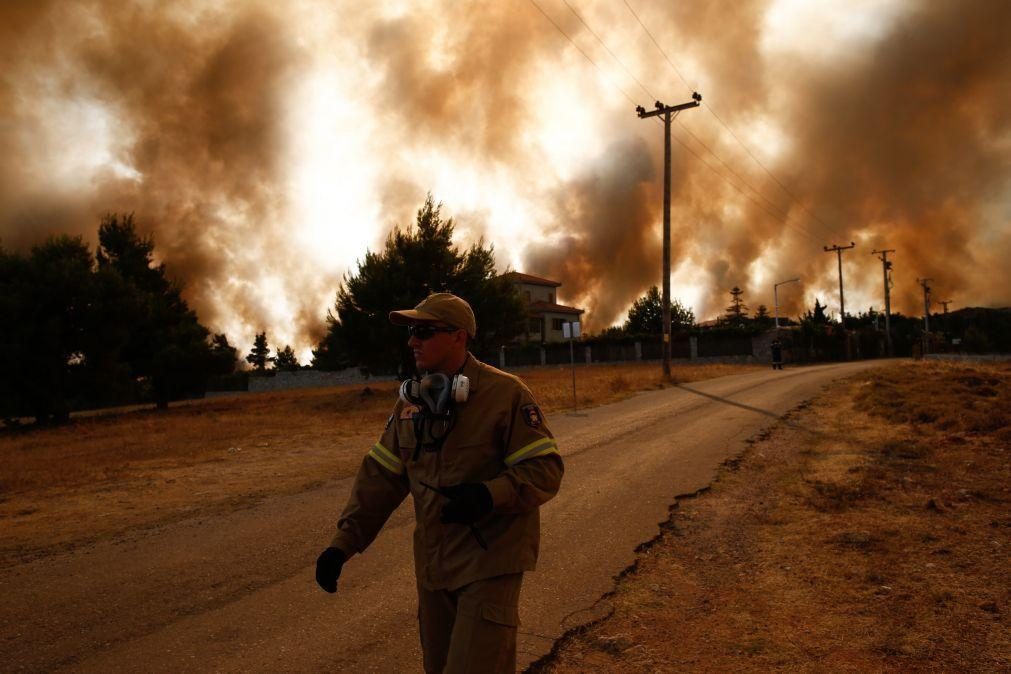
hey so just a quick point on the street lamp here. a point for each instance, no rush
(775, 295)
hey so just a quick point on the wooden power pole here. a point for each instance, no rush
(668, 112)
(925, 283)
(886, 268)
(838, 250)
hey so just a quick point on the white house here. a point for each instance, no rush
(545, 315)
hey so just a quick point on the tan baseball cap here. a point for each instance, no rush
(443, 307)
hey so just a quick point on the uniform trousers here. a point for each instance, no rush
(472, 628)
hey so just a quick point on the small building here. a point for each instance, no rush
(545, 315)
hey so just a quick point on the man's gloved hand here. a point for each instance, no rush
(328, 568)
(468, 502)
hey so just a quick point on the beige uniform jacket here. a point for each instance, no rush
(500, 438)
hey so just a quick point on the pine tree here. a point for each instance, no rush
(818, 315)
(167, 344)
(286, 360)
(223, 355)
(259, 356)
(645, 317)
(737, 312)
(414, 262)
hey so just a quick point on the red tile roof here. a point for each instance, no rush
(520, 277)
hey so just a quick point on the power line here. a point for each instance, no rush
(604, 44)
(650, 94)
(585, 55)
(732, 171)
(784, 216)
(720, 120)
(780, 217)
(658, 45)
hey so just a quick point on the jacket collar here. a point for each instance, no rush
(472, 369)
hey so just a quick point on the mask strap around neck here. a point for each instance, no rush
(439, 403)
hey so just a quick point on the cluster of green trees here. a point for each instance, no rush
(88, 329)
(736, 314)
(259, 356)
(85, 330)
(645, 316)
(415, 262)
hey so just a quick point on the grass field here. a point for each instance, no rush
(102, 475)
(869, 531)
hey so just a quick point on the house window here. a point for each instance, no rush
(535, 325)
(557, 323)
(551, 299)
(528, 295)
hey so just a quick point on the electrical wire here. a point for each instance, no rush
(581, 51)
(783, 187)
(650, 95)
(781, 216)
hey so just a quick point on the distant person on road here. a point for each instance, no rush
(777, 354)
(471, 446)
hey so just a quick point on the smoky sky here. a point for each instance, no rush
(904, 143)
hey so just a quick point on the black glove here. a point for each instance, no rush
(468, 503)
(328, 568)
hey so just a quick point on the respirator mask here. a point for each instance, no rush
(434, 392)
(436, 395)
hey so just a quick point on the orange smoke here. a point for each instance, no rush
(184, 114)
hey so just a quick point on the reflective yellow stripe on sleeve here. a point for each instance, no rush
(538, 447)
(386, 459)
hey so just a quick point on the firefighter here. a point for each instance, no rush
(471, 446)
(777, 354)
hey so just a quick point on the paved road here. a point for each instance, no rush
(236, 592)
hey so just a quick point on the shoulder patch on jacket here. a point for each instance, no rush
(408, 411)
(532, 415)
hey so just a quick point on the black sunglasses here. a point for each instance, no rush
(424, 332)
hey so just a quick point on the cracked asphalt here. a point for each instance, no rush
(236, 592)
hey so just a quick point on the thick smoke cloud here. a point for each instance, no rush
(605, 243)
(195, 102)
(908, 149)
(900, 144)
(903, 146)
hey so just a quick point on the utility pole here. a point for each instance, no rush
(926, 302)
(668, 112)
(838, 250)
(886, 269)
(945, 303)
(775, 296)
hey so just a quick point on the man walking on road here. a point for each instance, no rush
(470, 445)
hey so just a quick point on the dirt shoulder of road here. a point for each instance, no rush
(868, 531)
(104, 475)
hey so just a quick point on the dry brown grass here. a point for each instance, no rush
(868, 534)
(102, 475)
(943, 395)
